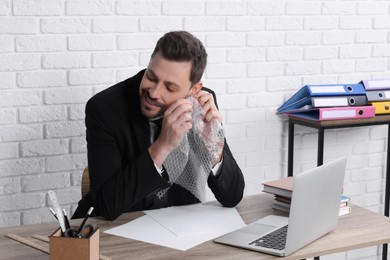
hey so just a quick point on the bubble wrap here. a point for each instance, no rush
(190, 164)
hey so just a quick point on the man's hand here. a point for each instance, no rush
(206, 100)
(177, 121)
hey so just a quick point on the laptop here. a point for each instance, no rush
(314, 212)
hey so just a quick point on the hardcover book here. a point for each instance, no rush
(282, 187)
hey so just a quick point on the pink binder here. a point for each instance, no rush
(336, 113)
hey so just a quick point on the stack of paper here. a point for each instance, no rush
(378, 94)
(181, 227)
(329, 102)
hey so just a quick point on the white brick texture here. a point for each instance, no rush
(54, 55)
(38, 7)
(65, 25)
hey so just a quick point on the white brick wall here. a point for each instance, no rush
(55, 54)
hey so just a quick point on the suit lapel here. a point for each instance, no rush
(140, 123)
(142, 131)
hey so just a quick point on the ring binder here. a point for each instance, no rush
(335, 113)
(359, 100)
(305, 95)
(381, 107)
(376, 84)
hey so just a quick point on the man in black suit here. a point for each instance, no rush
(125, 161)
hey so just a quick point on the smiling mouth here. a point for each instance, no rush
(151, 102)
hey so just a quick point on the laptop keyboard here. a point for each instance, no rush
(275, 240)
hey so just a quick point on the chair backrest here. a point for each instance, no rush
(85, 182)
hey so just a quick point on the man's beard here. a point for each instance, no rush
(146, 99)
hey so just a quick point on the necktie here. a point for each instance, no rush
(158, 123)
(165, 175)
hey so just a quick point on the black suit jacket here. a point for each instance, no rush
(122, 174)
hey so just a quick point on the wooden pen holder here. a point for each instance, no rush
(65, 248)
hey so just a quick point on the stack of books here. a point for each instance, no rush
(378, 94)
(329, 102)
(344, 205)
(282, 190)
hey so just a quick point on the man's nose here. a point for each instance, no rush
(154, 92)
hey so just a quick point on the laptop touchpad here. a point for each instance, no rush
(257, 229)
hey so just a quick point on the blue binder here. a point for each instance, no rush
(302, 98)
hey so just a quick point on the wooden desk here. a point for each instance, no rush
(361, 228)
(321, 126)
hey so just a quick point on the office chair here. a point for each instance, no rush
(85, 182)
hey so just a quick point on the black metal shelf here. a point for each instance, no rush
(321, 126)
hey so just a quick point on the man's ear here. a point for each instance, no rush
(196, 88)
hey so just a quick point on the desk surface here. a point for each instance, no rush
(361, 228)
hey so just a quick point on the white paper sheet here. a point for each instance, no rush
(196, 219)
(219, 221)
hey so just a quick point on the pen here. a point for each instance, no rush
(85, 219)
(53, 212)
(67, 225)
(57, 210)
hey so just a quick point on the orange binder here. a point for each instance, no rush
(381, 107)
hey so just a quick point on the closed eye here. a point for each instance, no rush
(150, 76)
(172, 87)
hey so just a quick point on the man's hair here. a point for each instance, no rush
(183, 46)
